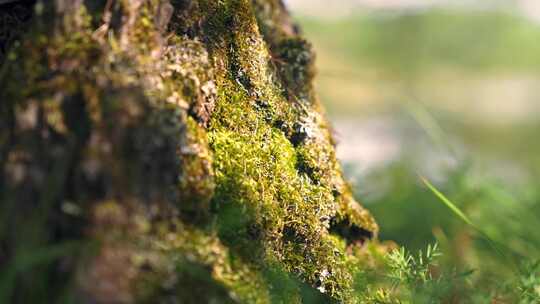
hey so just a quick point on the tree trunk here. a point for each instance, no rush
(168, 152)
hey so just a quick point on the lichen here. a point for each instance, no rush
(194, 154)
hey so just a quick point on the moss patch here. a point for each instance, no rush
(194, 155)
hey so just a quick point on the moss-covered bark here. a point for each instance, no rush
(168, 151)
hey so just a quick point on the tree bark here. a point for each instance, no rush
(168, 152)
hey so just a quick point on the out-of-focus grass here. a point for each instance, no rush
(476, 75)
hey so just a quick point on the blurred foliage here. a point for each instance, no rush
(412, 216)
(498, 262)
(415, 42)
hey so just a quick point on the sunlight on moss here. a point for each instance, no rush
(198, 160)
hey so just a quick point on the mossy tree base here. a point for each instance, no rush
(159, 150)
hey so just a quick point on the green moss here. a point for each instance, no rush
(196, 181)
(290, 211)
(189, 247)
(200, 159)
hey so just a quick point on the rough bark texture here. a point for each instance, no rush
(168, 151)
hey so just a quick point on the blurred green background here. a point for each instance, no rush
(449, 92)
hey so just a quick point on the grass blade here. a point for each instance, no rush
(498, 247)
(448, 203)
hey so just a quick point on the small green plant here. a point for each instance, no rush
(529, 283)
(412, 277)
(412, 270)
(409, 278)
